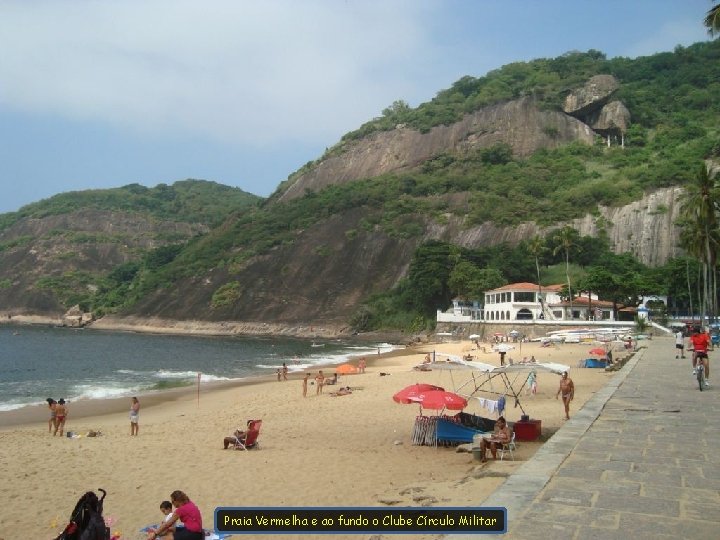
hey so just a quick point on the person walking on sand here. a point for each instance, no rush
(319, 382)
(61, 412)
(679, 344)
(51, 421)
(305, 382)
(531, 383)
(284, 371)
(134, 416)
(361, 365)
(567, 389)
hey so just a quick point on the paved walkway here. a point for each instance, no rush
(640, 460)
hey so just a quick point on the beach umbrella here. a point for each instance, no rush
(598, 351)
(409, 393)
(503, 348)
(513, 333)
(344, 369)
(440, 399)
(474, 336)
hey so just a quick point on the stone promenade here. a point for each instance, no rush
(639, 461)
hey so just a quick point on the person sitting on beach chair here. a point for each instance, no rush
(237, 436)
(500, 435)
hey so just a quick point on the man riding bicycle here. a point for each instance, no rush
(700, 342)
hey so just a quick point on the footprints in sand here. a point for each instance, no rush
(414, 495)
(477, 484)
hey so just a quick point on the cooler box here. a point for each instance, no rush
(527, 430)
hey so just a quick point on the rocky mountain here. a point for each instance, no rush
(597, 144)
(314, 285)
(55, 253)
(520, 123)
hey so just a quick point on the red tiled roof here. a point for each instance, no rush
(526, 287)
(584, 301)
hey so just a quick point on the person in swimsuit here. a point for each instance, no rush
(134, 416)
(567, 389)
(305, 382)
(501, 434)
(61, 413)
(319, 382)
(52, 420)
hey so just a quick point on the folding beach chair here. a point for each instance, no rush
(508, 447)
(250, 440)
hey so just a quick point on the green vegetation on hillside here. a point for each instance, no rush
(652, 88)
(674, 100)
(191, 201)
(440, 272)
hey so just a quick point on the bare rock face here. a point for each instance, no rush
(591, 96)
(645, 228)
(612, 118)
(518, 123)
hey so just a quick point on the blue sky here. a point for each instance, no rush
(102, 94)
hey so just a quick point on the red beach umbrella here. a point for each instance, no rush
(440, 399)
(345, 369)
(410, 393)
(598, 351)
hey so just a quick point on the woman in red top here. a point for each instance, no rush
(188, 513)
(700, 342)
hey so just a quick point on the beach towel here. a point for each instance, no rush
(209, 535)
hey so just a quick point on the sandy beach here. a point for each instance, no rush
(352, 450)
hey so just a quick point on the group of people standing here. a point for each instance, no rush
(58, 415)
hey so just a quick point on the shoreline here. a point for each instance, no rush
(350, 451)
(31, 415)
(156, 325)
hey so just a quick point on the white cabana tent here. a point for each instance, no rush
(482, 375)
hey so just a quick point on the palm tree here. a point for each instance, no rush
(566, 238)
(712, 20)
(700, 235)
(536, 247)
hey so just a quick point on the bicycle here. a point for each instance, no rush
(701, 373)
(701, 358)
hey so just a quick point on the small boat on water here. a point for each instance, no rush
(313, 344)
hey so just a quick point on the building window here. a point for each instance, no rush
(524, 297)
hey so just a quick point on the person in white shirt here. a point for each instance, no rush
(679, 344)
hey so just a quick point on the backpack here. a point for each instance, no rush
(86, 521)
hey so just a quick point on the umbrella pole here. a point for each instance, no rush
(508, 386)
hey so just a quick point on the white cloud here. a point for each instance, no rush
(247, 72)
(668, 35)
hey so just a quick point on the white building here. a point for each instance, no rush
(527, 302)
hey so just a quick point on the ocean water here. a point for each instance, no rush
(40, 362)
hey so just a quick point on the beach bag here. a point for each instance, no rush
(86, 521)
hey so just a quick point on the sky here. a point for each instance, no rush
(98, 94)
